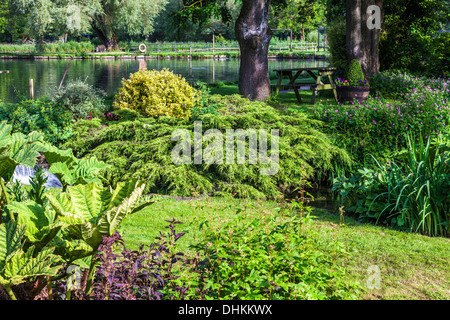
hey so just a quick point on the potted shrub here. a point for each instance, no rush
(355, 86)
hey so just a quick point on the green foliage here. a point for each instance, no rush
(300, 16)
(38, 115)
(81, 99)
(411, 193)
(409, 39)
(206, 103)
(37, 183)
(91, 211)
(69, 47)
(41, 223)
(272, 257)
(72, 171)
(441, 56)
(137, 147)
(355, 74)
(336, 37)
(45, 227)
(17, 149)
(18, 265)
(377, 127)
(156, 93)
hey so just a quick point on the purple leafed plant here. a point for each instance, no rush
(144, 274)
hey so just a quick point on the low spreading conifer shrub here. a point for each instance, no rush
(136, 146)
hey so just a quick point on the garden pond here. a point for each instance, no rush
(107, 74)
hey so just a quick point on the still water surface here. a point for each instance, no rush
(107, 74)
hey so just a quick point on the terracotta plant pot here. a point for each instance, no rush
(348, 94)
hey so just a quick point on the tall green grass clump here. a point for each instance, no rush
(68, 47)
(411, 193)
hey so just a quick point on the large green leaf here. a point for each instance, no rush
(91, 211)
(70, 170)
(41, 225)
(17, 265)
(10, 240)
(23, 265)
(18, 149)
(55, 155)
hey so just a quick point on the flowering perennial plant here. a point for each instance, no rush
(344, 83)
(382, 123)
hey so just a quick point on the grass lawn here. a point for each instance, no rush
(411, 266)
(285, 99)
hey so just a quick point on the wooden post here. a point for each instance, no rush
(291, 40)
(31, 89)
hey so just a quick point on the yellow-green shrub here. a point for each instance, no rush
(157, 93)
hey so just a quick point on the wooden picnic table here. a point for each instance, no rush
(316, 86)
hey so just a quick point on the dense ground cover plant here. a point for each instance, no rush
(378, 126)
(38, 115)
(206, 103)
(411, 193)
(396, 83)
(274, 256)
(157, 93)
(141, 147)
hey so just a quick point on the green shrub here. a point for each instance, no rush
(157, 93)
(205, 104)
(355, 74)
(419, 54)
(376, 127)
(81, 99)
(336, 37)
(38, 115)
(273, 257)
(141, 147)
(411, 193)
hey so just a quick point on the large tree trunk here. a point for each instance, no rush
(370, 61)
(353, 31)
(254, 35)
(110, 42)
(363, 42)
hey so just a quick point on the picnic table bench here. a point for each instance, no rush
(316, 85)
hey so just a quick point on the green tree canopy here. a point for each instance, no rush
(300, 16)
(105, 17)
